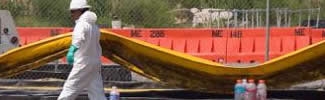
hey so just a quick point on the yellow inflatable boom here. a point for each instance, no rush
(174, 68)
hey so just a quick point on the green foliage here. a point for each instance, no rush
(103, 10)
(12, 6)
(185, 3)
(55, 12)
(145, 13)
(140, 13)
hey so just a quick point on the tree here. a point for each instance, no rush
(52, 12)
(145, 13)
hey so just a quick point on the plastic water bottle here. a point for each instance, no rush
(114, 94)
(251, 90)
(239, 90)
(245, 85)
(261, 90)
(245, 82)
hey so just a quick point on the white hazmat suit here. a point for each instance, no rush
(86, 71)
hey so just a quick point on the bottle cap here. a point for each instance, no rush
(239, 81)
(114, 87)
(261, 81)
(251, 81)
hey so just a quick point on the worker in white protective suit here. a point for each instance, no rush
(84, 53)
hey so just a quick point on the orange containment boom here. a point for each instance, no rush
(172, 67)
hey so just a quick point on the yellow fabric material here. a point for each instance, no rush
(174, 68)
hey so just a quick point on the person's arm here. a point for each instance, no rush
(78, 36)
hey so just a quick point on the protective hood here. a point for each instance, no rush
(78, 4)
(88, 16)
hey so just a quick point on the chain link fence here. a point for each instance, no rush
(109, 73)
(170, 13)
